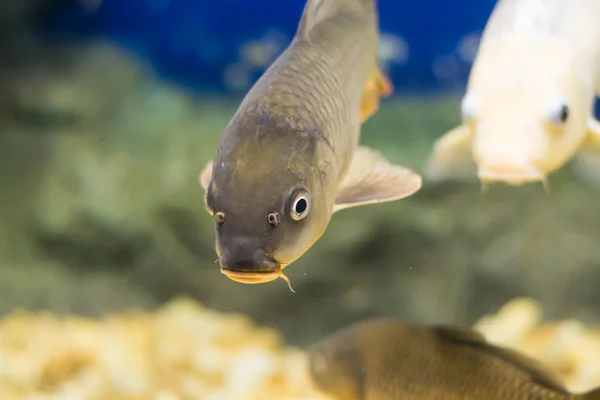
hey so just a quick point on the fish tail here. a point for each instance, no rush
(368, 3)
(593, 395)
(369, 6)
(316, 11)
(377, 86)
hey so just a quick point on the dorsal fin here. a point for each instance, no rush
(469, 337)
(315, 12)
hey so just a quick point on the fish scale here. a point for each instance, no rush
(326, 67)
(385, 359)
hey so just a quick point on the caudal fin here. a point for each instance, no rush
(316, 11)
(593, 395)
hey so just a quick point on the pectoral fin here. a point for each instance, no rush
(373, 179)
(451, 158)
(206, 175)
(586, 164)
(377, 86)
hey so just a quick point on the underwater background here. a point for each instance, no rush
(110, 108)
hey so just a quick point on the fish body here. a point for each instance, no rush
(289, 158)
(528, 106)
(384, 359)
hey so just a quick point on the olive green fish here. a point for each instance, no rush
(384, 359)
(289, 158)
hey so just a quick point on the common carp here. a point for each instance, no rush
(384, 359)
(290, 156)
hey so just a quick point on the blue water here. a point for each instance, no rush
(196, 42)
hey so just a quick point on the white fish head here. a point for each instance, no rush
(528, 105)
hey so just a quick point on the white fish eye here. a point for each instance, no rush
(301, 205)
(560, 114)
(467, 108)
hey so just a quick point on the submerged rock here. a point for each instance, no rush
(185, 350)
(181, 351)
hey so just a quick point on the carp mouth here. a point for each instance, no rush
(256, 277)
(511, 176)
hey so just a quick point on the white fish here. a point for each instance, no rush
(528, 107)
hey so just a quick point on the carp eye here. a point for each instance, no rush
(300, 205)
(219, 217)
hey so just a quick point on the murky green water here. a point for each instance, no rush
(100, 211)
